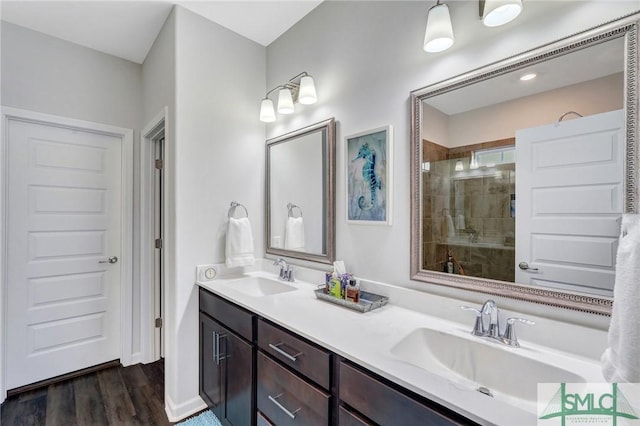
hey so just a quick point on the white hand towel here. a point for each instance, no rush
(294, 234)
(239, 248)
(621, 360)
(451, 231)
(460, 222)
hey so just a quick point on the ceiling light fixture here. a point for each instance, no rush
(300, 88)
(499, 12)
(439, 33)
(528, 77)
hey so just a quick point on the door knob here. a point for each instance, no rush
(112, 259)
(525, 267)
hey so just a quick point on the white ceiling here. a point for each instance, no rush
(127, 29)
(583, 65)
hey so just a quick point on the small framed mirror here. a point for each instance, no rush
(300, 193)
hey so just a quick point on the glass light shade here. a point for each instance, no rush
(307, 94)
(459, 166)
(267, 114)
(500, 12)
(285, 102)
(439, 33)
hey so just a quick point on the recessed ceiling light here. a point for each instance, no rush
(528, 77)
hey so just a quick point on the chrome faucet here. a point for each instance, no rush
(492, 330)
(490, 310)
(286, 271)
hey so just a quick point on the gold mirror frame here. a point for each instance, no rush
(626, 27)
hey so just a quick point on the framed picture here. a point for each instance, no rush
(369, 162)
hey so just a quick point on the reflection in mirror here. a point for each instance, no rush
(300, 199)
(524, 180)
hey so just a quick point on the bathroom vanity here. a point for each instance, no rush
(250, 365)
(272, 353)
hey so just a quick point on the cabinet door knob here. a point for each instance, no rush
(276, 348)
(291, 414)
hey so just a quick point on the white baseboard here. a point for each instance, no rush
(176, 412)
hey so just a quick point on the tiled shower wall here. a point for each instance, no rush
(484, 244)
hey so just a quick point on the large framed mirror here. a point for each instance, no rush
(300, 193)
(521, 171)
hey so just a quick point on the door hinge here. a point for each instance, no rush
(158, 243)
(159, 164)
(158, 322)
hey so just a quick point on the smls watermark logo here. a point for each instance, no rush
(561, 404)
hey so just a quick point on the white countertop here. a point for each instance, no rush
(367, 338)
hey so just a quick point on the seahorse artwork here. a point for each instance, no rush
(369, 175)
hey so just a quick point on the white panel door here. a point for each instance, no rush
(64, 222)
(569, 181)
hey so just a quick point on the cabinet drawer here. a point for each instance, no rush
(383, 404)
(234, 317)
(347, 418)
(309, 360)
(288, 400)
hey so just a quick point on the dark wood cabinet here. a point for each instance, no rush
(386, 405)
(286, 399)
(289, 349)
(253, 372)
(226, 369)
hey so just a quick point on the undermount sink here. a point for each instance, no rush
(506, 372)
(258, 286)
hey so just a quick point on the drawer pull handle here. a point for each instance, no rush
(291, 414)
(276, 348)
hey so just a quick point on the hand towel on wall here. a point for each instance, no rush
(239, 247)
(451, 231)
(460, 222)
(620, 361)
(294, 234)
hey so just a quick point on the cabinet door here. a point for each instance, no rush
(211, 378)
(238, 377)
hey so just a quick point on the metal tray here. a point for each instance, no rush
(368, 301)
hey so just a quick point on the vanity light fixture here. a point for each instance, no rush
(459, 166)
(499, 12)
(299, 88)
(439, 33)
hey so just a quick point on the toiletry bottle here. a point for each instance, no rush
(327, 282)
(449, 265)
(352, 292)
(335, 287)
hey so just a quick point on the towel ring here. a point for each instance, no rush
(290, 207)
(233, 206)
(569, 113)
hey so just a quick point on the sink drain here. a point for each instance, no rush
(485, 391)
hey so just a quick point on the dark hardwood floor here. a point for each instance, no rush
(115, 396)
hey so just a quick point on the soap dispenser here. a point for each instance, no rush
(448, 266)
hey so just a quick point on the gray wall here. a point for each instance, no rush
(49, 75)
(218, 158)
(366, 57)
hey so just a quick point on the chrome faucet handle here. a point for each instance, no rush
(509, 336)
(478, 327)
(290, 276)
(490, 308)
(283, 267)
